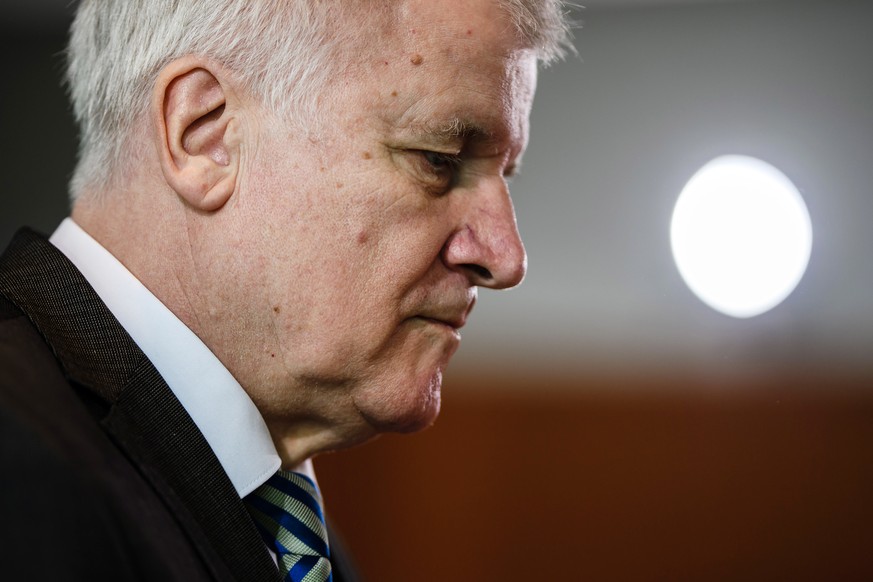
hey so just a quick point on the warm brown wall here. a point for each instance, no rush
(669, 480)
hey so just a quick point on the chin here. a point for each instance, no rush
(403, 392)
(426, 413)
(405, 407)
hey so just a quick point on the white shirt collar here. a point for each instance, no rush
(216, 402)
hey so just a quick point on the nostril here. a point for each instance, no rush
(479, 270)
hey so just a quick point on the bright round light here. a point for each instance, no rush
(741, 235)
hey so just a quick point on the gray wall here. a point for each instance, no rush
(659, 90)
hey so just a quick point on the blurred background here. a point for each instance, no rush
(600, 422)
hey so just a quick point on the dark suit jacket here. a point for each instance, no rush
(104, 474)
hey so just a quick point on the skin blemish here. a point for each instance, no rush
(339, 185)
(272, 355)
(416, 59)
(367, 155)
(362, 237)
(276, 309)
(394, 93)
(469, 32)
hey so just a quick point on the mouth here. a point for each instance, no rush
(453, 318)
(455, 324)
(449, 312)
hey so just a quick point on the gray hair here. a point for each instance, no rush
(281, 51)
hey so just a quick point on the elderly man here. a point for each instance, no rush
(282, 212)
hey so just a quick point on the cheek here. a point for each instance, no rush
(343, 250)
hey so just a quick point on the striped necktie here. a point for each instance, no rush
(287, 511)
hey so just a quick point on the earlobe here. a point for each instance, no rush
(195, 137)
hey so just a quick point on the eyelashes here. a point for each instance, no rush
(440, 161)
(438, 170)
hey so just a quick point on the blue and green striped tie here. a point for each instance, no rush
(287, 511)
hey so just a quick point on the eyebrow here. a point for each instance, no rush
(453, 128)
(457, 127)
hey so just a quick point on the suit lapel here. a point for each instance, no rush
(145, 418)
(90, 344)
(155, 427)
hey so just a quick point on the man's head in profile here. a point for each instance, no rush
(282, 212)
(316, 189)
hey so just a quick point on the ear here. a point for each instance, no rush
(196, 138)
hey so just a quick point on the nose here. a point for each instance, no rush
(486, 246)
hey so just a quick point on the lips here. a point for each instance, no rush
(454, 316)
(455, 323)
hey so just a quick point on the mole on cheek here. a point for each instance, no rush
(416, 59)
(366, 155)
(276, 309)
(362, 237)
(394, 93)
(469, 32)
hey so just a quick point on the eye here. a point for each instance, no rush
(440, 161)
(439, 170)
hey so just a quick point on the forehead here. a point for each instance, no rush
(455, 19)
(451, 69)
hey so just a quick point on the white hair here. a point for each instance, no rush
(282, 52)
(544, 25)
